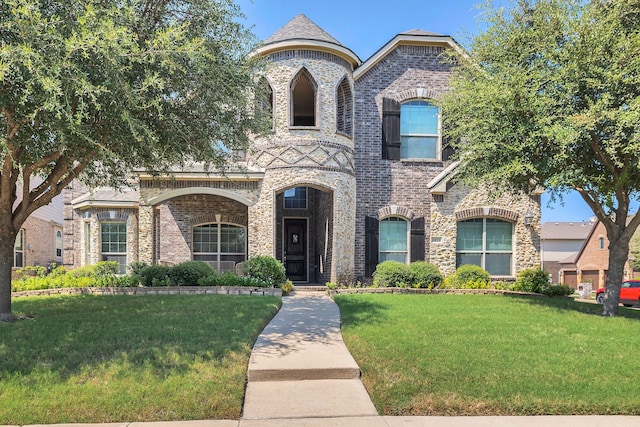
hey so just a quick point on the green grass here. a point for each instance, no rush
(492, 355)
(98, 359)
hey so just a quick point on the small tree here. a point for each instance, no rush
(94, 90)
(549, 96)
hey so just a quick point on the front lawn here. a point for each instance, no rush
(492, 355)
(100, 359)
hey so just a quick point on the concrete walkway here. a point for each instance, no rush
(301, 374)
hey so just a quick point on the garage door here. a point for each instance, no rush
(571, 279)
(592, 276)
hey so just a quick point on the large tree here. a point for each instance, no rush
(95, 89)
(549, 97)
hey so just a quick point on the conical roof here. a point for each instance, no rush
(301, 27)
(302, 32)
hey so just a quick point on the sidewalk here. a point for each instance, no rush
(301, 374)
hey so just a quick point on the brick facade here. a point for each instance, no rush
(338, 158)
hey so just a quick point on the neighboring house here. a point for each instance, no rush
(561, 241)
(590, 264)
(356, 172)
(40, 240)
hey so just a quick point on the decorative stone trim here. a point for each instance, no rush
(487, 212)
(287, 55)
(113, 215)
(417, 93)
(394, 210)
(218, 218)
(168, 290)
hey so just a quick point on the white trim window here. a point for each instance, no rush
(419, 130)
(58, 244)
(487, 242)
(216, 243)
(113, 238)
(393, 240)
(295, 198)
(18, 250)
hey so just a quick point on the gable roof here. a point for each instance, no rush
(302, 32)
(566, 230)
(411, 37)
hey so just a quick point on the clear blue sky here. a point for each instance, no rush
(364, 26)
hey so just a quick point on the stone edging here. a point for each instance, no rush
(427, 291)
(168, 290)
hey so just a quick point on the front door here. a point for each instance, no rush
(295, 249)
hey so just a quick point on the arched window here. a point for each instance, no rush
(264, 101)
(344, 108)
(486, 242)
(303, 99)
(393, 243)
(219, 244)
(419, 130)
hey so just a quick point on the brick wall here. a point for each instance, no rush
(407, 72)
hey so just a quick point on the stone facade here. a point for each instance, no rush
(336, 157)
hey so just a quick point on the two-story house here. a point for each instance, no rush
(355, 172)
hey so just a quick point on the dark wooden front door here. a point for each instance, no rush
(295, 249)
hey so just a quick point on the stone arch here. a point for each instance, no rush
(200, 190)
(394, 210)
(417, 93)
(487, 212)
(344, 107)
(218, 218)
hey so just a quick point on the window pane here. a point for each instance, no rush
(499, 235)
(393, 235)
(232, 239)
(18, 245)
(120, 259)
(418, 118)
(498, 264)
(469, 235)
(393, 256)
(418, 147)
(468, 259)
(205, 238)
(295, 198)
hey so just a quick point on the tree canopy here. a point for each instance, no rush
(549, 97)
(95, 89)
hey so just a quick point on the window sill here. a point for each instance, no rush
(304, 127)
(419, 160)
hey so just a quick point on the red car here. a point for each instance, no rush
(629, 293)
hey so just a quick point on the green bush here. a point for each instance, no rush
(392, 274)
(425, 275)
(158, 273)
(230, 279)
(189, 272)
(106, 268)
(532, 280)
(265, 268)
(469, 277)
(557, 290)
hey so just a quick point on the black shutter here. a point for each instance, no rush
(371, 245)
(390, 129)
(417, 239)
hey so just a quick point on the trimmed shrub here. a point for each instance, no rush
(189, 272)
(230, 279)
(425, 275)
(154, 273)
(469, 277)
(532, 280)
(265, 268)
(393, 274)
(559, 290)
(106, 268)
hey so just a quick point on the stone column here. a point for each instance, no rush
(145, 233)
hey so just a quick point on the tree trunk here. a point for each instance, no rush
(618, 254)
(7, 240)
